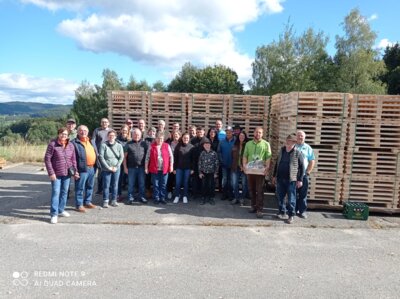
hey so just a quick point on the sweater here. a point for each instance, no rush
(208, 162)
(108, 158)
(58, 159)
(183, 156)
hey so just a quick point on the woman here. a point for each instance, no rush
(159, 162)
(123, 138)
(173, 142)
(212, 136)
(111, 156)
(183, 167)
(237, 169)
(60, 163)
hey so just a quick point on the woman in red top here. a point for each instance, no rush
(159, 162)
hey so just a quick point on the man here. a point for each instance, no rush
(175, 128)
(259, 151)
(309, 162)
(142, 127)
(197, 149)
(236, 130)
(134, 162)
(220, 133)
(192, 132)
(161, 129)
(99, 136)
(225, 158)
(129, 123)
(71, 125)
(86, 156)
(287, 176)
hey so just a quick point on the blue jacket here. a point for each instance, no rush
(80, 154)
(225, 152)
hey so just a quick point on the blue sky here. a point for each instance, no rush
(48, 47)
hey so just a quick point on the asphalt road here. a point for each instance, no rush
(187, 251)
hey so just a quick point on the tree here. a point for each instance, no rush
(359, 68)
(134, 85)
(42, 131)
(293, 64)
(183, 82)
(211, 79)
(89, 106)
(159, 86)
(217, 79)
(392, 62)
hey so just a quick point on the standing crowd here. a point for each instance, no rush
(170, 166)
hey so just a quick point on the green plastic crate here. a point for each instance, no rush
(355, 210)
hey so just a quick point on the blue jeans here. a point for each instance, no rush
(110, 181)
(59, 192)
(236, 176)
(133, 175)
(84, 185)
(283, 187)
(159, 181)
(182, 177)
(226, 182)
(301, 203)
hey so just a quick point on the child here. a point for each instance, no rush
(208, 171)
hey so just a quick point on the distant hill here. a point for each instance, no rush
(34, 109)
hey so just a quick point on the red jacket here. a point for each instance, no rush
(153, 161)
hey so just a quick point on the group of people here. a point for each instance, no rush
(173, 165)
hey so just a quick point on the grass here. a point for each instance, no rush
(23, 152)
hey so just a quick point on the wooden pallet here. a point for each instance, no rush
(325, 187)
(203, 104)
(329, 160)
(380, 191)
(132, 101)
(375, 107)
(206, 121)
(374, 133)
(160, 102)
(372, 162)
(275, 104)
(247, 105)
(118, 118)
(315, 104)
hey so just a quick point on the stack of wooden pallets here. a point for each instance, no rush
(186, 109)
(372, 168)
(322, 116)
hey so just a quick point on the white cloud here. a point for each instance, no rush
(164, 33)
(383, 43)
(373, 17)
(25, 88)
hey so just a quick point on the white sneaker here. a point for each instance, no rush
(53, 219)
(176, 200)
(185, 199)
(64, 214)
(169, 195)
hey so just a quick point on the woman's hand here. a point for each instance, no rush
(52, 177)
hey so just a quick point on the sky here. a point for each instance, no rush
(49, 47)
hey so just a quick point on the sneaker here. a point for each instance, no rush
(212, 201)
(130, 201)
(156, 201)
(281, 215)
(169, 196)
(90, 206)
(64, 214)
(234, 201)
(105, 205)
(163, 201)
(143, 200)
(303, 215)
(290, 220)
(176, 200)
(80, 209)
(185, 200)
(53, 219)
(259, 215)
(114, 203)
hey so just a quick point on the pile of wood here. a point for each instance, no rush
(188, 109)
(356, 141)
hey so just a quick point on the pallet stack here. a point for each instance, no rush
(372, 168)
(323, 116)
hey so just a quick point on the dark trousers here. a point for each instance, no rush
(171, 182)
(301, 203)
(208, 186)
(256, 185)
